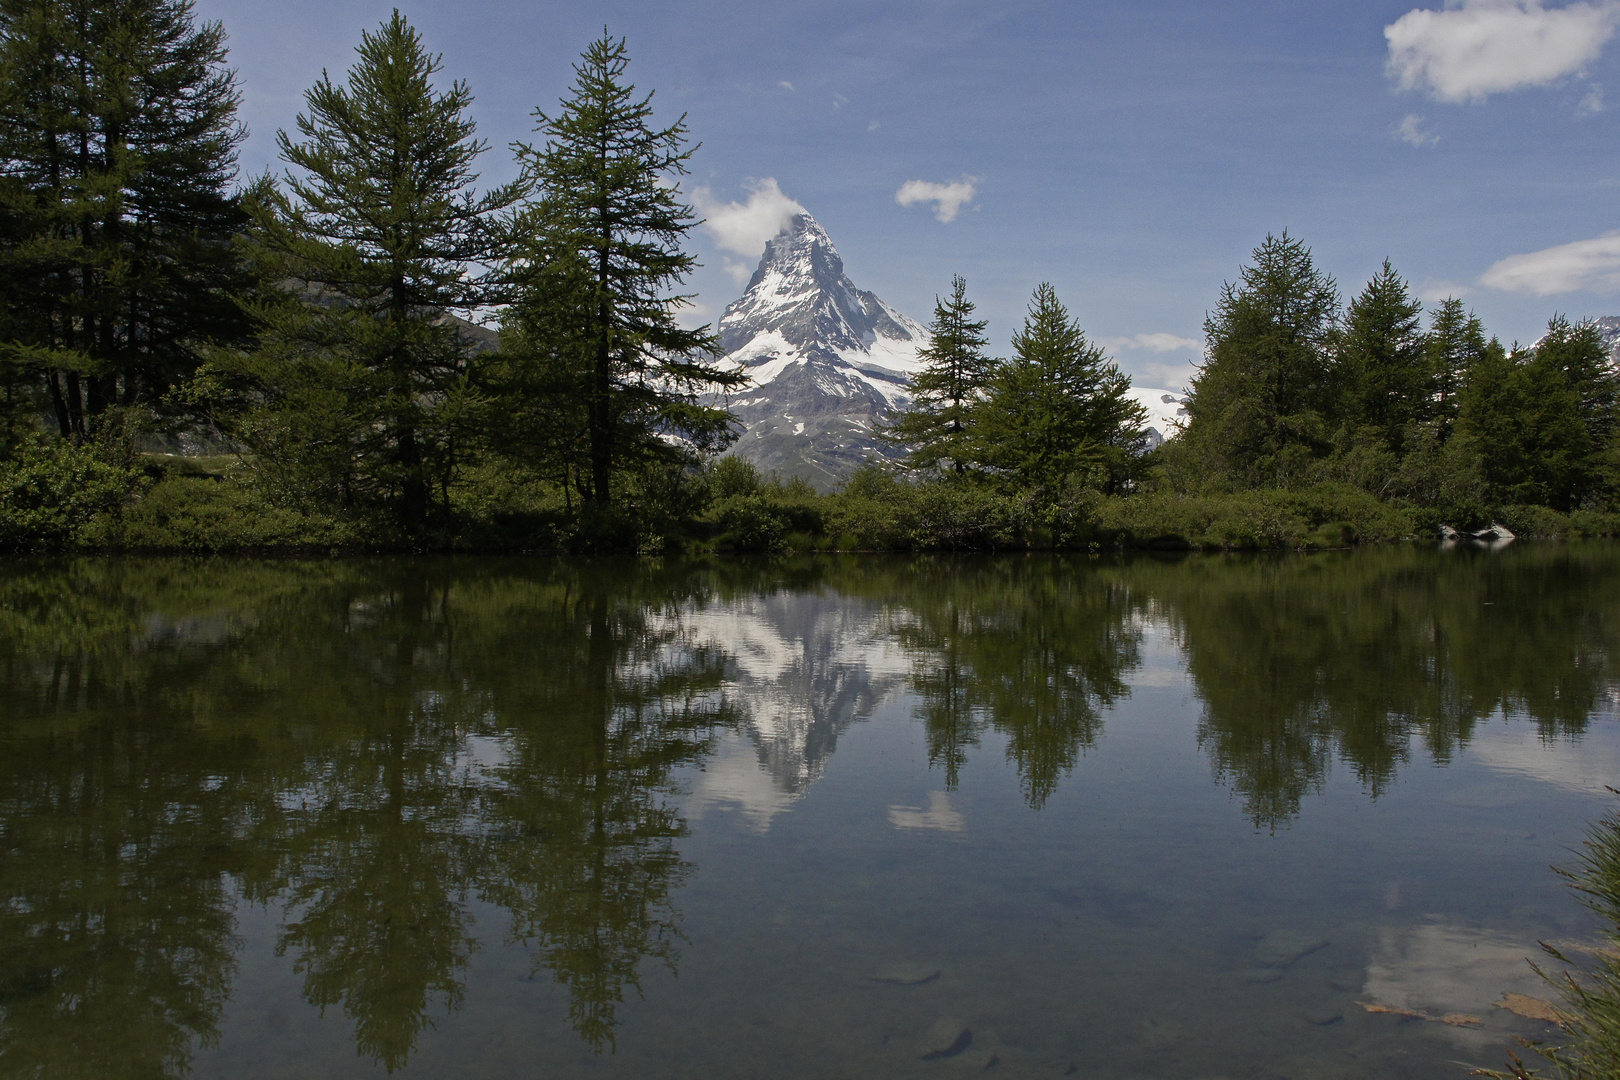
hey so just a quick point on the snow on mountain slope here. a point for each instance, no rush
(828, 360)
(1165, 410)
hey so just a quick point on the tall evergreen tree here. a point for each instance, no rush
(118, 140)
(1060, 407)
(1455, 343)
(364, 372)
(1263, 404)
(606, 253)
(1384, 364)
(945, 393)
(1542, 420)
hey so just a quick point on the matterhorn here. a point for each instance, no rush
(829, 362)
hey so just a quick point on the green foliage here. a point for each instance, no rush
(1325, 515)
(598, 256)
(939, 427)
(731, 476)
(55, 496)
(1384, 360)
(207, 515)
(361, 390)
(1543, 421)
(1589, 1046)
(1264, 404)
(118, 140)
(1455, 343)
(1059, 407)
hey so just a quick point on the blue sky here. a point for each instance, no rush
(1132, 153)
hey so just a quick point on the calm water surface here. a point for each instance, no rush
(1024, 817)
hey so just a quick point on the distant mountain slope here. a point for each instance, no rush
(1609, 326)
(828, 360)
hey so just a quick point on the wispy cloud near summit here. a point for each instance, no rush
(744, 228)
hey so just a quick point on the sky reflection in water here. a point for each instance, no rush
(485, 817)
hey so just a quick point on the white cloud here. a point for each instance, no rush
(948, 199)
(784, 84)
(872, 125)
(1433, 291)
(1592, 102)
(939, 815)
(1584, 266)
(1410, 131)
(1475, 48)
(744, 228)
(1155, 343)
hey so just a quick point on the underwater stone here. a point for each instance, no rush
(1282, 947)
(906, 974)
(946, 1038)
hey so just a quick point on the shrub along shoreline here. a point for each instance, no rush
(85, 503)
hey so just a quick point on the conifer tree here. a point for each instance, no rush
(118, 140)
(957, 371)
(1455, 343)
(1060, 407)
(364, 374)
(1542, 420)
(1384, 364)
(604, 249)
(1263, 404)
(1572, 394)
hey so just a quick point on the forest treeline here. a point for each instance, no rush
(371, 350)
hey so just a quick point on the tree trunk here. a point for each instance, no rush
(414, 494)
(64, 422)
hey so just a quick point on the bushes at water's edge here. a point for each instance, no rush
(91, 498)
(1590, 1046)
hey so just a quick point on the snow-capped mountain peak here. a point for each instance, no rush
(800, 293)
(828, 360)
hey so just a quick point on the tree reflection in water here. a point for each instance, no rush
(1036, 650)
(1354, 657)
(373, 747)
(365, 745)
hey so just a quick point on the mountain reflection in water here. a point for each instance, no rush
(375, 748)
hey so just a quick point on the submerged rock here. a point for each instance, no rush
(1281, 948)
(946, 1038)
(905, 974)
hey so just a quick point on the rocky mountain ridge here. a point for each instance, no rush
(829, 362)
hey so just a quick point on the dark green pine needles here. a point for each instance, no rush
(118, 140)
(601, 254)
(364, 375)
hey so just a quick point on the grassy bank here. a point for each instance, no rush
(85, 500)
(1589, 1048)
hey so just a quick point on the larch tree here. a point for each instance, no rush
(118, 139)
(956, 374)
(375, 242)
(1455, 343)
(1384, 362)
(1263, 403)
(604, 256)
(1060, 408)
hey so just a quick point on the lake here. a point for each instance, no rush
(1116, 817)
